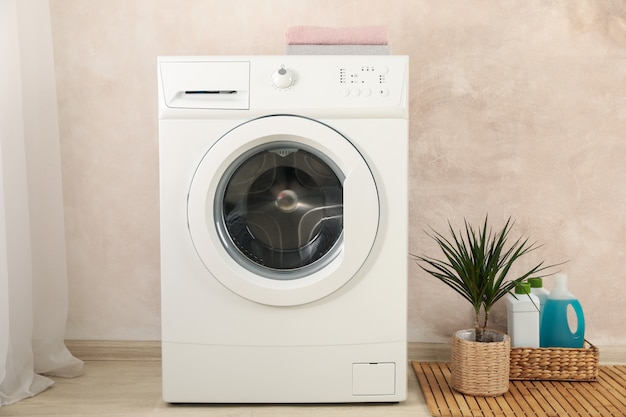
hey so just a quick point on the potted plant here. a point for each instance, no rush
(476, 265)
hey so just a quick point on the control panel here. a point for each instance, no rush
(365, 80)
(325, 82)
(316, 85)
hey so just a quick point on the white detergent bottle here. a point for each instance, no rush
(523, 317)
(562, 321)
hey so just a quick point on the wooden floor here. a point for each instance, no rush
(604, 397)
(124, 380)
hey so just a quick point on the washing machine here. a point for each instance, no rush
(283, 197)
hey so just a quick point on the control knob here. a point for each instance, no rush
(283, 78)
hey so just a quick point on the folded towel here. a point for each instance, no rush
(338, 50)
(316, 35)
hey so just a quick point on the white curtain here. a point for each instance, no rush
(33, 274)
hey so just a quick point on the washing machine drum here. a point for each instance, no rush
(283, 210)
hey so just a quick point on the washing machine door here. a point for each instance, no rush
(283, 210)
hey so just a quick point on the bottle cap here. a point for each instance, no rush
(560, 282)
(522, 288)
(535, 282)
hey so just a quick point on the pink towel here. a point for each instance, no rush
(315, 35)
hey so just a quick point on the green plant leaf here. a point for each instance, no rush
(477, 264)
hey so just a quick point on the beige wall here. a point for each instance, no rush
(518, 108)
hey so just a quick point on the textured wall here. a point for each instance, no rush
(518, 108)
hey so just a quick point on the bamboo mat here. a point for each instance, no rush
(605, 397)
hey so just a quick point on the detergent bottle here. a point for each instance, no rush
(562, 321)
(523, 317)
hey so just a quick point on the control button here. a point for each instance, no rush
(383, 92)
(383, 70)
(355, 92)
(345, 91)
(367, 92)
(283, 78)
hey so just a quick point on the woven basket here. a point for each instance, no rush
(480, 368)
(557, 364)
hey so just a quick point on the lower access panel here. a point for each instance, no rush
(374, 378)
(284, 374)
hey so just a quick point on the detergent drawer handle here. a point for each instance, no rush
(211, 92)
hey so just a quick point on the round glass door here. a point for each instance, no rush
(281, 208)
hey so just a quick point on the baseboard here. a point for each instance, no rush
(132, 350)
(115, 350)
(126, 350)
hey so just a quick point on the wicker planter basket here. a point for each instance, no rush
(557, 364)
(480, 368)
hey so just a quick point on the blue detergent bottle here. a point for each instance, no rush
(558, 328)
